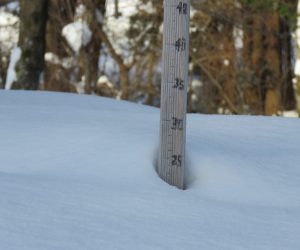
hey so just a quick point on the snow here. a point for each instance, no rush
(7, 18)
(66, 62)
(77, 172)
(80, 11)
(104, 80)
(116, 28)
(238, 35)
(13, 6)
(297, 67)
(291, 113)
(77, 34)
(11, 71)
(9, 27)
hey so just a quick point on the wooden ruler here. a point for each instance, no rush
(171, 162)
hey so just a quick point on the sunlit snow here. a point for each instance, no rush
(77, 172)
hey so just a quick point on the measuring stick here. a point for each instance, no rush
(171, 162)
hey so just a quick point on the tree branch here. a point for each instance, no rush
(104, 38)
(218, 85)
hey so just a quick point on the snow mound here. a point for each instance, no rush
(77, 172)
(77, 34)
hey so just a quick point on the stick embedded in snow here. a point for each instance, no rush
(171, 162)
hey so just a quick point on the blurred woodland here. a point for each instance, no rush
(244, 54)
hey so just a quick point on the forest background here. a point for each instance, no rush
(244, 54)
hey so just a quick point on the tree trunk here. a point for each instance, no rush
(124, 78)
(3, 70)
(286, 88)
(61, 12)
(228, 65)
(91, 52)
(150, 72)
(272, 71)
(117, 13)
(33, 17)
(253, 64)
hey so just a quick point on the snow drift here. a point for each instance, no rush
(76, 172)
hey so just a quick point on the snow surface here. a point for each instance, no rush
(76, 172)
